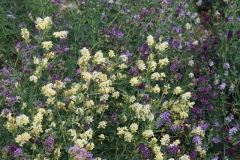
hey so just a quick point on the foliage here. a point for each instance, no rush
(120, 80)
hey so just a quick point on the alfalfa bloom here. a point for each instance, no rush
(43, 24)
(61, 34)
(25, 34)
(177, 90)
(22, 138)
(188, 26)
(147, 134)
(162, 46)
(49, 142)
(134, 81)
(47, 45)
(17, 153)
(150, 40)
(226, 65)
(33, 78)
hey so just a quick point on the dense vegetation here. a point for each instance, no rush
(119, 79)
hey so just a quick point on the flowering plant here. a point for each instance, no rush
(118, 80)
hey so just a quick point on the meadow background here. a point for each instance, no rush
(119, 79)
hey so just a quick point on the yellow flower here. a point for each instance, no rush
(111, 53)
(163, 62)
(155, 76)
(33, 78)
(43, 24)
(128, 137)
(141, 65)
(47, 45)
(38, 117)
(22, 120)
(61, 34)
(23, 138)
(165, 140)
(87, 76)
(57, 153)
(156, 89)
(147, 134)
(48, 91)
(161, 46)
(133, 127)
(101, 136)
(102, 124)
(152, 65)
(90, 146)
(134, 81)
(177, 90)
(121, 130)
(25, 34)
(81, 142)
(188, 26)
(186, 96)
(150, 40)
(184, 157)
(115, 94)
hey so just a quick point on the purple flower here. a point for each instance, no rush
(13, 147)
(141, 86)
(6, 111)
(231, 151)
(225, 128)
(229, 34)
(216, 124)
(73, 150)
(193, 155)
(116, 123)
(17, 153)
(87, 126)
(6, 149)
(145, 98)
(227, 139)
(197, 140)
(214, 158)
(118, 33)
(65, 48)
(230, 19)
(179, 76)
(238, 32)
(226, 65)
(229, 118)
(211, 63)
(222, 86)
(18, 46)
(49, 142)
(82, 154)
(204, 126)
(142, 148)
(176, 45)
(197, 110)
(172, 149)
(175, 128)
(146, 154)
(174, 67)
(210, 108)
(63, 40)
(12, 100)
(164, 119)
(206, 16)
(216, 140)
(132, 71)
(233, 131)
